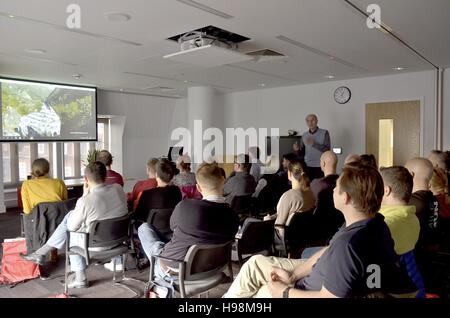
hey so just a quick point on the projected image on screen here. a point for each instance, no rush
(40, 111)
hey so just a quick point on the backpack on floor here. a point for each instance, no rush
(14, 268)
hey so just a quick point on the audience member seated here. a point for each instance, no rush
(369, 160)
(351, 158)
(298, 199)
(242, 183)
(328, 163)
(343, 268)
(105, 157)
(399, 216)
(207, 221)
(143, 185)
(99, 202)
(441, 159)
(423, 199)
(283, 171)
(438, 186)
(185, 177)
(164, 196)
(41, 188)
(327, 217)
(257, 165)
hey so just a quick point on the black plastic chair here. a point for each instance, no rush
(242, 204)
(327, 219)
(105, 240)
(201, 270)
(256, 237)
(297, 234)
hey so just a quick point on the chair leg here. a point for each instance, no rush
(66, 274)
(124, 262)
(114, 271)
(124, 278)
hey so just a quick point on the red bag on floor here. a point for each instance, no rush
(14, 268)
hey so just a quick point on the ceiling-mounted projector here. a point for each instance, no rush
(204, 50)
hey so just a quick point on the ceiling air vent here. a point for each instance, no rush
(266, 55)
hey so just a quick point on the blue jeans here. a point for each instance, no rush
(310, 251)
(58, 239)
(153, 243)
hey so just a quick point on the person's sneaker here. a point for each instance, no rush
(77, 284)
(33, 257)
(110, 266)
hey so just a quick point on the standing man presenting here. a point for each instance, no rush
(316, 141)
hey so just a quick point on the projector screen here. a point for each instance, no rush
(35, 111)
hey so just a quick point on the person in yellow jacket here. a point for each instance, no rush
(41, 188)
(400, 217)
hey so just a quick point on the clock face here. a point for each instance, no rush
(342, 95)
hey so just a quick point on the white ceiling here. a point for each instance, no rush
(129, 55)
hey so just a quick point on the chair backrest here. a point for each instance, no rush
(204, 261)
(256, 237)
(241, 203)
(327, 218)
(160, 219)
(299, 228)
(109, 232)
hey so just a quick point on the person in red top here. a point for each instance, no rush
(112, 177)
(140, 186)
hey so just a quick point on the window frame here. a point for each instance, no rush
(56, 155)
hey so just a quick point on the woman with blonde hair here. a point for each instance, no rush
(41, 188)
(439, 187)
(185, 177)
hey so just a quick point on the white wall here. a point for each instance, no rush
(148, 123)
(287, 107)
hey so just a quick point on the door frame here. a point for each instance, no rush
(409, 99)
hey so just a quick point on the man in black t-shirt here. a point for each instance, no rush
(359, 261)
(207, 221)
(328, 218)
(164, 196)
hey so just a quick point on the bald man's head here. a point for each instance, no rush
(421, 169)
(328, 162)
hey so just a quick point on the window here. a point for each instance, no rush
(69, 160)
(24, 151)
(84, 149)
(70, 157)
(6, 148)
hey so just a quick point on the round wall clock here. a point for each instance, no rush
(342, 95)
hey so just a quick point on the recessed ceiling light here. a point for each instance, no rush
(262, 85)
(121, 89)
(185, 81)
(11, 16)
(331, 57)
(117, 17)
(329, 76)
(76, 76)
(398, 68)
(36, 51)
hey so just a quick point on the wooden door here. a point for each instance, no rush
(405, 117)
